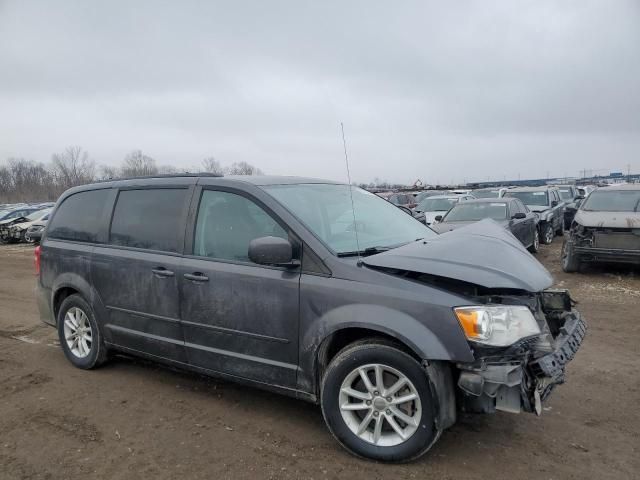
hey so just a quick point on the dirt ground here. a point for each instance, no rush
(132, 419)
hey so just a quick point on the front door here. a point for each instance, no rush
(135, 274)
(239, 318)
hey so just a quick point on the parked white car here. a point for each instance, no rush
(439, 205)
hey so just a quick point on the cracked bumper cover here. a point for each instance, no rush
(516, 384)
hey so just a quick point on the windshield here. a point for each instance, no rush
(435, 204)
(486, 193)
(566, 194)
(326, 211)
(530, 198)
(38, 214)
(612, 201)
(468, 212)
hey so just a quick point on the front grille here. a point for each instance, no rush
(617, 240)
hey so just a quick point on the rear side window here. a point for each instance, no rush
(149, 218)
(79, 216)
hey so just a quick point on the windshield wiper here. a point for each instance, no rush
(365, 252)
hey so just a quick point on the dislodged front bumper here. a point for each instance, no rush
(594, 254)
(524, 378)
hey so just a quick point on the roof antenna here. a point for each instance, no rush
(353, 210)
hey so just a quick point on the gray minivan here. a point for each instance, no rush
(309, 288)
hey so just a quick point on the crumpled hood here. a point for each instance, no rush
(482, 253)
(608, 219)
(21, 225)
(12, 220)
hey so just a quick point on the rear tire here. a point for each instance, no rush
(570, 261)
(390, 431)
(79, 334)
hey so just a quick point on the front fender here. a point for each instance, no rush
(397, 324)
(406, 329)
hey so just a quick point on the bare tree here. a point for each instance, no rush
(211, 165)
(243, 168)
(107, 172)
(136, 164)
(24, 180)
(73, 167)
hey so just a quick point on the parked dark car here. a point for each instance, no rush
(35, 231)
(546, 202)
(387, 325)
(606, 228)
(510, 213)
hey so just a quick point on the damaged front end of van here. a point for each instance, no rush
(522, 333)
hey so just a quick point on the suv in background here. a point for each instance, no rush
(605, 228)
(313, 289)
(548, 204)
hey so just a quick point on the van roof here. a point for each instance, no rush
(202, 178)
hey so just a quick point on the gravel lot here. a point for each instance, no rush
(132, 419)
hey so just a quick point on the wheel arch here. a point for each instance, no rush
(342, 327)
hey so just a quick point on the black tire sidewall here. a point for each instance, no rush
(569, 260)
(543, 234)
(96, 355)
(349, 360)
(534, 248)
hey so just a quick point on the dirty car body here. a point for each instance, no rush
(277, 283)
(606, 228)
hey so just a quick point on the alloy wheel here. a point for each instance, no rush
(548, 234)
(380, 405)
(77, 332)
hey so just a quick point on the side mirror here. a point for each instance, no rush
(554, 203)
(519, 216)
(271, 251)
(438, 218)
(580, 197)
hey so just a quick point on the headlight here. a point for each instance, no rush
(498, 326)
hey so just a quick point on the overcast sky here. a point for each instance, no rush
(438, 91)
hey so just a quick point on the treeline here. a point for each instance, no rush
(24, 180)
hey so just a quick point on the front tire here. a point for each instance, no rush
(547, 234)
(378, 403)
(79, 334)
(570, 261)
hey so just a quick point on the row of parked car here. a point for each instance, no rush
(21, 222)
(605, 228)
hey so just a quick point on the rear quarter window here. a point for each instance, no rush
(79, 216)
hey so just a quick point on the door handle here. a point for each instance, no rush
(196, 277)
(162, 272)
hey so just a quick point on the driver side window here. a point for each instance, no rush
(227, 223)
